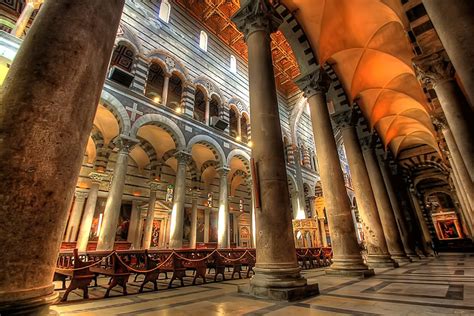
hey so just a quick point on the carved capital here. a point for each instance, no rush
(256, 15)
(154, 186)
(183, 157)
(367, 142)
(81, 195)
(434, 68)
(98, 177)
(126, 143)
(345, 119)
(223, 171)
(313, 83)
(439, 120)
(35, 3)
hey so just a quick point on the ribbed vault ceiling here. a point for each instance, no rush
(365, 42)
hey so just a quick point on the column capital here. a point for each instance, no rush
(154, 185)
(98, 177)
(35, 3)
(126, 143)
(223, 171)
(314, 82)
(81, 195)
(439, 120)
(183, 157)
(367, 142)
(345, 119)
(256, 15)
(434, 68)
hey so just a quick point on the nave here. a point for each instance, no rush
(436, 286)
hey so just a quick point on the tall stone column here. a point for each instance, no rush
(347, 257)
(387, 217)
(454, 25)
(436, 69)
(322, 226)
(76, 214)
(399, 217)
(426, 237)
(166, 82)
(114, 199)
(277, 274)
(150, 215)
(194, 211)
(89, 210)
(22, 22)
(44, 127)
(207, 111)
(377, 251)
(177, 213)
(134, 225)
(223, 240)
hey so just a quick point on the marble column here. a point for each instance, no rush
(44, 127)
(194, 211)
(253, 227)
(134, 225)
(426, 236)
(207, 214)
(166, 82)
(322, 228)
(150, 215)
(387, 217)
(347, 256)
(22, 22)
(377, 251)
(76, 214)
(277, 274)
(435, 69)
(177, 213)
(84, 232)
(399, 217)
(460, 203)
(239, 126)
(207, 111)
(454, 25)
(114, 199)
(223, 240)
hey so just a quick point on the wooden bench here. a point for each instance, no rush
(68, 267)
(116, 270)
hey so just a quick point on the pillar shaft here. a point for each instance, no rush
(455, 26)
(207, 111)
(150, 216)
(134, 225)
(426, 237)
(44, 127)
(24, 18)
(166, 82)
(114, 199)
(322, 227)
(75, 218)
(177, 214)
(206, 225)
(387, 217)
(88, 217)
(194, 211)
(223, 240)
(377, 251)
(276, 266)
(347, 256)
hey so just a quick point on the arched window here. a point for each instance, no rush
(214, 106)
(165, 10)
(175, 91)
(154, 83)
(203, 41)
(233, 122)
(199, 106)
(123, 57)
(233, 64)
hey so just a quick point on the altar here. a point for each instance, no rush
(306, 233)
(447, 225)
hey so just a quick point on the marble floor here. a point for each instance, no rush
(438, 286)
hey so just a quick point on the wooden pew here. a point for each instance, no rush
(118, 272)
(70, 267)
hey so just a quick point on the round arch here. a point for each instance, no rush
(204, 139)
(111, 103)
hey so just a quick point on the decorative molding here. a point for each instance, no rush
(257, 15)
(434, 68)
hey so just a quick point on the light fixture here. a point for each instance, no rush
(238, 138)
(157, 99)
(178, 110)
(250, 144)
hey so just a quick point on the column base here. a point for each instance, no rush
(401, 259)
(381, 261)
(350, 267)
(280, 294)
(367, 273)
(413, 257)
(32, 306)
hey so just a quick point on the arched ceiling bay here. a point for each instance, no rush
(160, 139)
(365, 43)
(106, 122)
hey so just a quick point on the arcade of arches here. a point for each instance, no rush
(284, 134)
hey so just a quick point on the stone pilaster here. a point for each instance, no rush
(134, 231)
(114, 200)
(436, 70)
(347, 257)
(374, 239)
(177, 213)
(277, 274)
(223, 238)
(150, 215)
(84, 233)
(75, 217)
(44, 127)
(194, 211)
